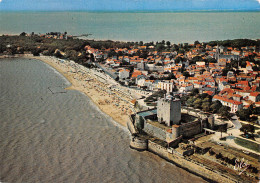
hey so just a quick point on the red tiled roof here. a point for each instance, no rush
(209, 92)
(254, 94)
(169, 130)
(227, 90)
(217, 97)
(242, 82)
(237, 95)
(136, 73)
(124, 70)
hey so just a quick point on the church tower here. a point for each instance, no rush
(217, 54)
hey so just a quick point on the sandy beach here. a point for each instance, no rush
(96, 85)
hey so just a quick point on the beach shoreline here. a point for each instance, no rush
(109, 101)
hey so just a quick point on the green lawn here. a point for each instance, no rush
(247, 144)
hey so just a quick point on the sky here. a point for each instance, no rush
(128, 5)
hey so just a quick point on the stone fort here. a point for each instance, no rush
(168, 121)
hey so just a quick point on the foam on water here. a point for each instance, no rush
(64, 137)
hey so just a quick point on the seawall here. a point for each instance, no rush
(130, 125)
(194, 168)
(139, 144)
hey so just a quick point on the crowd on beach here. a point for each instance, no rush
(99, 87)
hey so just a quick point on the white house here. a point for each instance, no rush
(234, 105)
(185, 88)
(166, 85)
(124, 73)
(254, 96)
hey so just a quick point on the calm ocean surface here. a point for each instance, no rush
(175, 27)
(63, 137)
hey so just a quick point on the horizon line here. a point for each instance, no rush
(137, 11)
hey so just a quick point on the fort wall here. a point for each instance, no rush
(190, 129)
(154, 131)
(175, 142)
(157, 149)
(189, 165)
(138, 144)
(130, 125)
(194, 112)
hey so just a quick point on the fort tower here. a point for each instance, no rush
(169, 111)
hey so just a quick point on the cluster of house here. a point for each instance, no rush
(173, 71)
(57, 35)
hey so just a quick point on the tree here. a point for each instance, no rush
(194, 91)
(190, 101)
(159, 47)
(172, 76)
(207, 99)
(152, 77)
(175, 47)
(23, 34)
(196, 59)
(168, 43)
(197, 103)
(159, 64)
(169, 77)
(222, 128)
(186, 74)
(71, 54)
(215, 106)
(243, 114)
(206, 106)
(35, 52)
(178, 59)
(224, 111)
(125, 62)
(184, 99)
(247, 128)
(196, 42)
(58, 54)
(205, 96)
(225, 71)
(202, 71)
(255, 68)
(212, 60)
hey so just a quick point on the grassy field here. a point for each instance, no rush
(247, 144)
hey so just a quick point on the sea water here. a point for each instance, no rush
(63, 137)
(177, 27)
